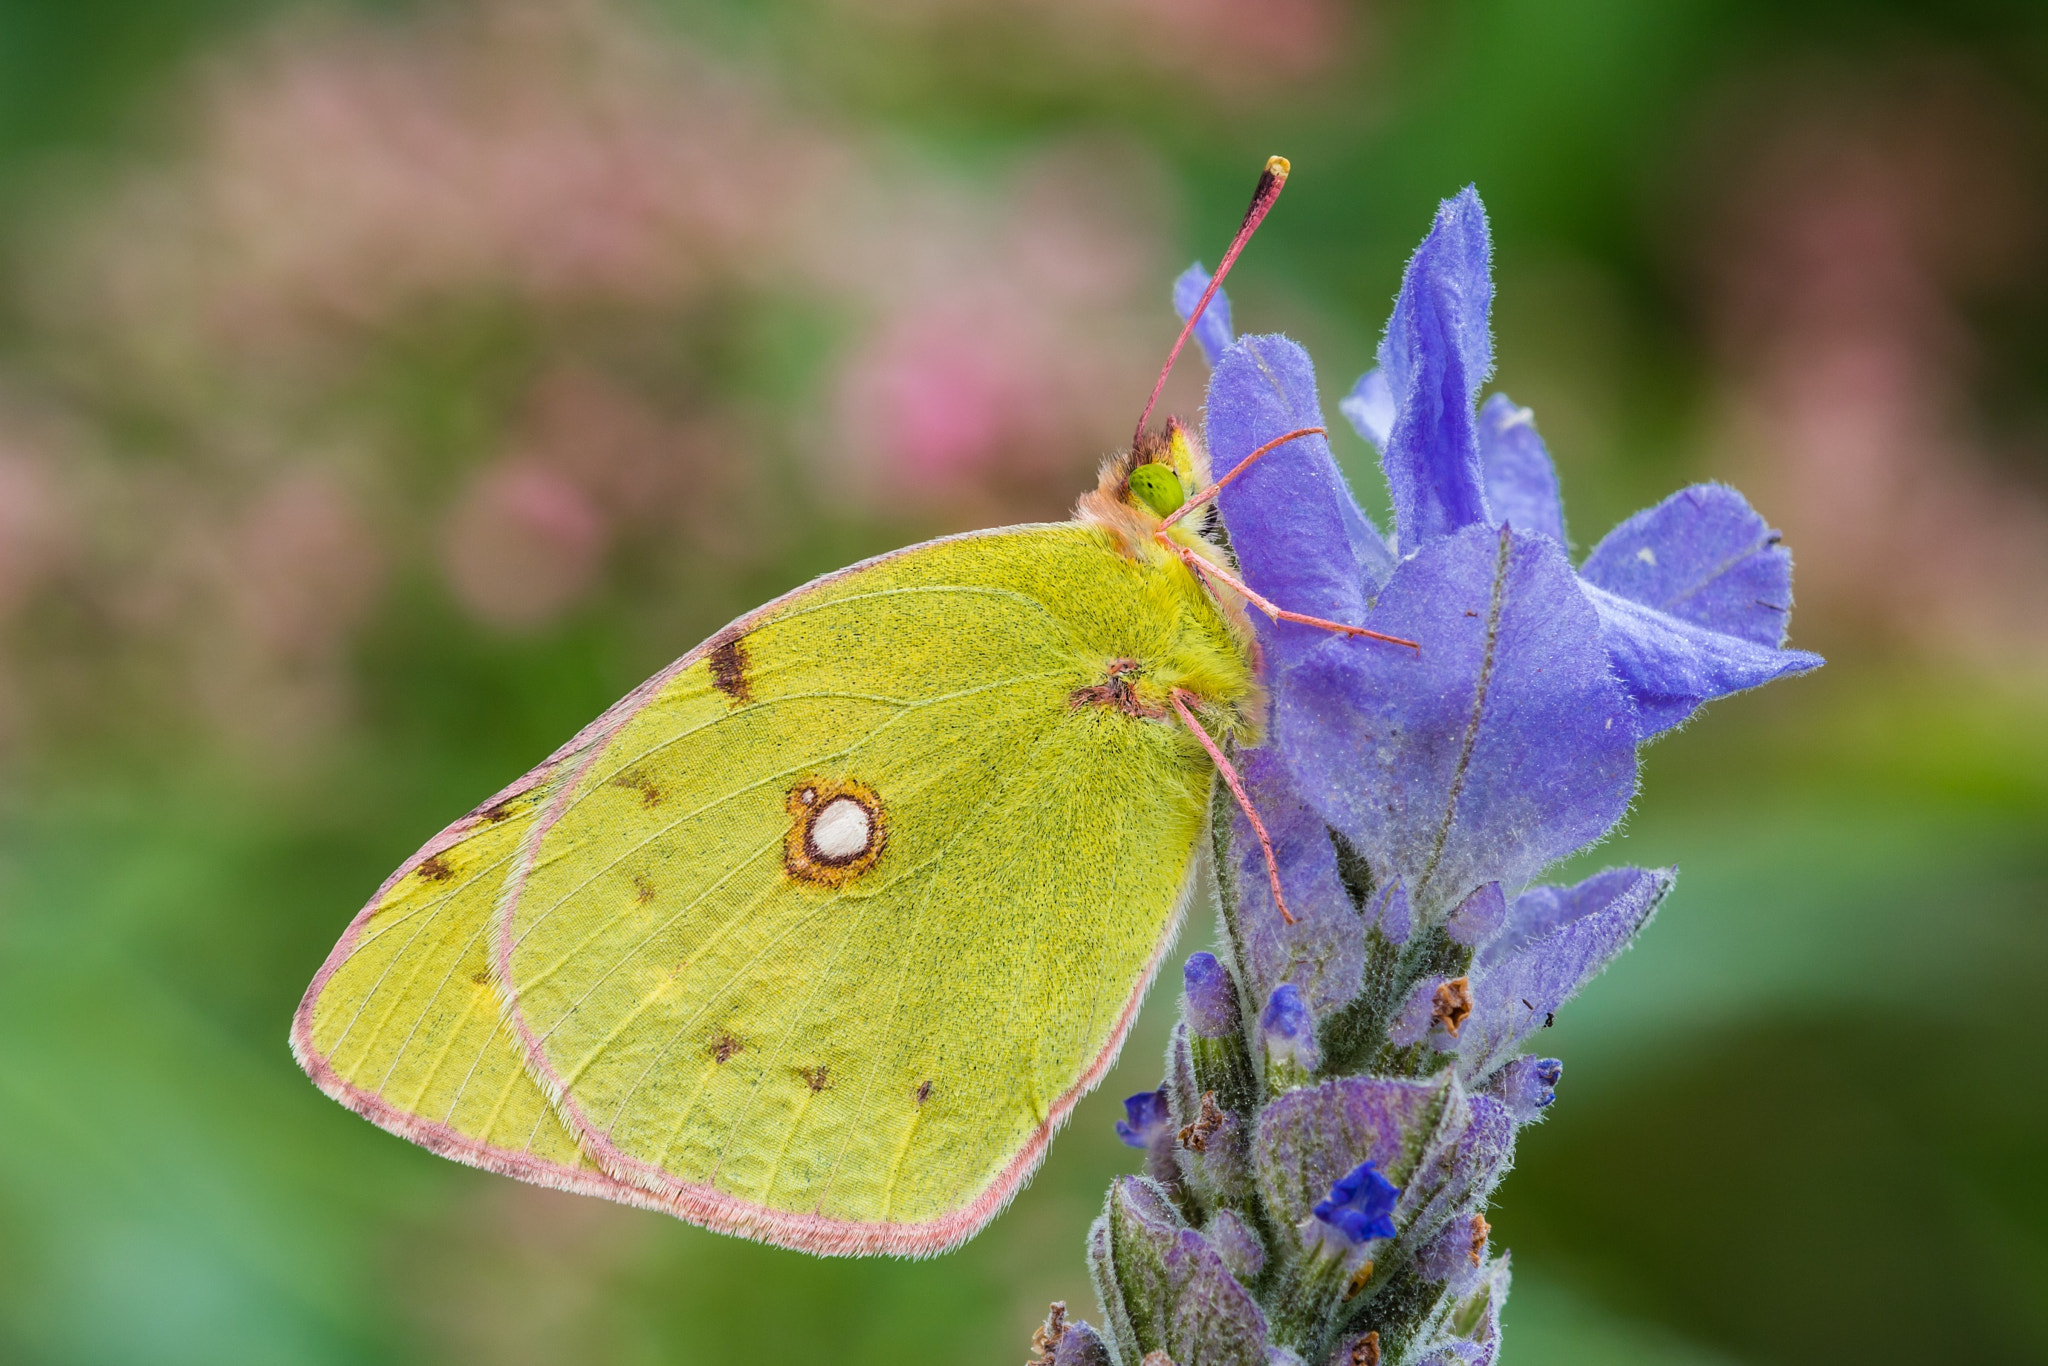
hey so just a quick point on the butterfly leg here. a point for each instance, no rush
(1216, 574)
(1223, 766)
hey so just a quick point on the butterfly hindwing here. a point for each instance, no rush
(824, 937)
(404, 1024)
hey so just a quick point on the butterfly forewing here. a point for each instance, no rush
(824, 937)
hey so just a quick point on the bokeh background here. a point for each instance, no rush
(386, 387)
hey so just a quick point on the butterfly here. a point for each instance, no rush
(818, 935)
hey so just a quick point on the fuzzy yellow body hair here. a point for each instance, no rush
(820, 934)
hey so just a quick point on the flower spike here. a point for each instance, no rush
(1351, 1071)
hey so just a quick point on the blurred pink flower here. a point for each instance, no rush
(564, 153)
(305, 569)
(948, 389)
(34, 526)
(1015, 344)
(522, 545)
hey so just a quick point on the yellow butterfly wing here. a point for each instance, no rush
(828, 932)
(404, 1024)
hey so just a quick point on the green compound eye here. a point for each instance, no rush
(1158, 488)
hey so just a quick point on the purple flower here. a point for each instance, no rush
(1146, 1118)
(1694, 595)
(1691, 599)
(1360, 1204)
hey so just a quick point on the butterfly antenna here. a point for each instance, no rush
(1271, 181)
(1230, 778)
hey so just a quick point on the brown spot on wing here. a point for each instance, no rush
(817, 1078)
(643, 890)
(729, 670)
(724, 1045)
(650, 793)
(435, 869)
(924, 1092)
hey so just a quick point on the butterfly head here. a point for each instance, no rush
(1142, 486)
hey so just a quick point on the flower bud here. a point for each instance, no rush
(1289, 1034)
(1211, 997)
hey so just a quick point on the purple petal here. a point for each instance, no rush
(1695, 596)
(1309, 1138)
(1704, 556)
(1360, 1204)
(1521, 483)
(1479, 916)
(1369, 408)
(1145, 1115)
(1456, 1257)
(1539, 911)
(1294, 526)
(1176, 1294)
(1416, 1019)
(1323, 952)
(1671, 666)
(1236, 1244)
(1213, 331)
(1504, 746)
(1461, 1166)
(1437, 351)
(1515, 991)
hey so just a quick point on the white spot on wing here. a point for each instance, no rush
(841, 829)
(1647, 556)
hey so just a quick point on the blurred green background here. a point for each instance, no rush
(385, 388)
